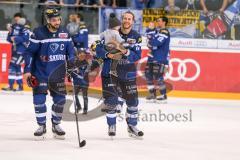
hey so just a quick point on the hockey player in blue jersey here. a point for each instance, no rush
(19, 38)
(50, 46)
(78, 31)
(126, 80)
(157, 63)
(150, 31)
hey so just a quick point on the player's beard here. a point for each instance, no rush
(53, 27)
(126, 25)
(56, 26)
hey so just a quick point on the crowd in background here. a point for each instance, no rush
(90, 8)
(205, 5)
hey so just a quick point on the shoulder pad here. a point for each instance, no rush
(164, 31)
(82, 26)
(27, 26)
(139, 40)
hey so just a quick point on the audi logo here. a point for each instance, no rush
(200, 44)
(182, 69)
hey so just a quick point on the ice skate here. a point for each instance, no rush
(8, 88)
(58, 132)
(134, 132)
(162, 99)
(19, 89)
(40, 133)
(85, 112)
(112, 130)
(152, 96)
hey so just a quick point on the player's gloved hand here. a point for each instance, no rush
(70, 67)
(69, 78)
(32, 81)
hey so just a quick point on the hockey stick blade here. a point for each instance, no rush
(82, 144)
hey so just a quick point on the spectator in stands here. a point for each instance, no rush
(121, 3)
(71, 2)
(219, 26)
(175, 5)
(91, 3)
(113, 3)
(140, 4)
(108, 3)
(214, 5)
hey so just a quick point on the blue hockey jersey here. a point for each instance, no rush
(81, 38)
(21, 38)
(159, 45)
(47, 51)
(150, 32)
(126, 68)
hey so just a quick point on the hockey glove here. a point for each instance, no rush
(70, 67)
(32, 81)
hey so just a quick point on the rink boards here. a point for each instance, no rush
(194, 72)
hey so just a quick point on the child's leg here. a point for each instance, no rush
(85, 97)
(113, 67)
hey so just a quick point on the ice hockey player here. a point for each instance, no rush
(150, 32)
(19, 37)
(126, 80)
(50, 46)
(157, 63)
(78, 31)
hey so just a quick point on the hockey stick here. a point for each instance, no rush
(83, 142)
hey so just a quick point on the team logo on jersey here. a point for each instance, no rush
(58, 57)
(131, 41)
(17, 27)
(54, 47)
(63, 35)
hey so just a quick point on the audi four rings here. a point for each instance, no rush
(181, 69)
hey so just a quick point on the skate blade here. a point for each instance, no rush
(40, 138)
(151, 101)
(58, 137)
(161, 101)
(11, 92)
(135, 137)
(111, 138)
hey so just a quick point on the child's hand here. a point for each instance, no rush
(118, 46)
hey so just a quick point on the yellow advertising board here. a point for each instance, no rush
(177, 19)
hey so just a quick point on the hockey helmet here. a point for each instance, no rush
(51, 12)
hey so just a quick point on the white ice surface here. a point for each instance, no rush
(213, 133)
